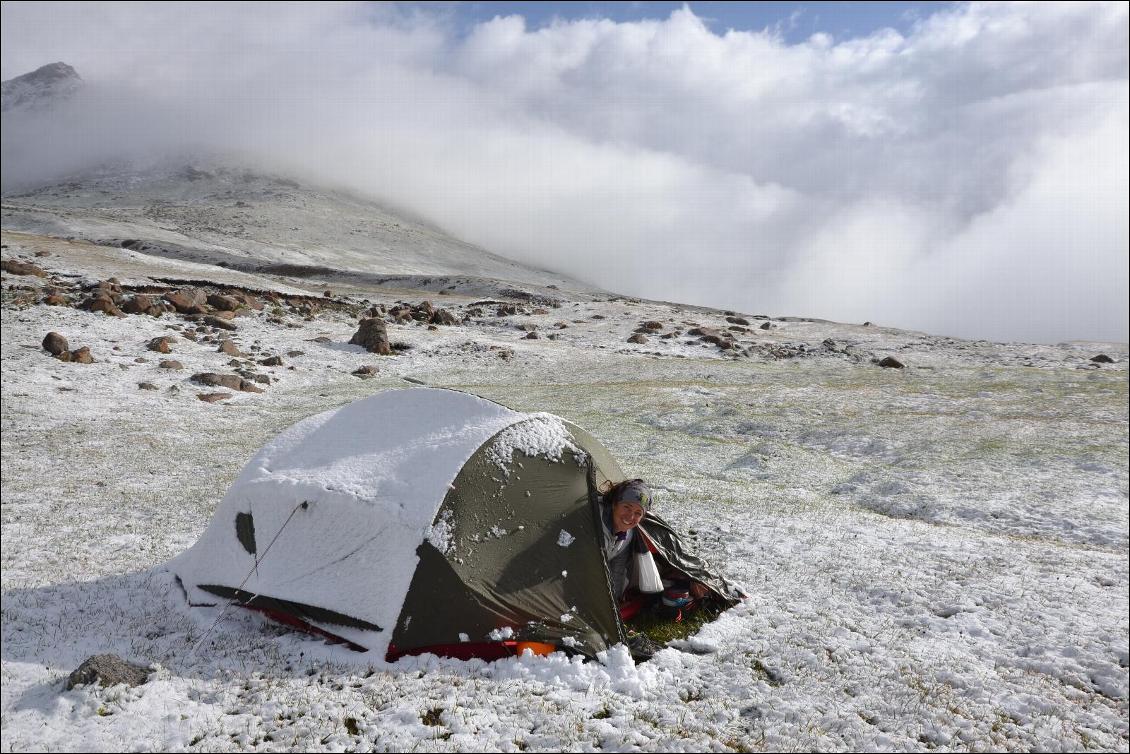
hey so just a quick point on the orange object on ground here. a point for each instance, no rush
(537, 647)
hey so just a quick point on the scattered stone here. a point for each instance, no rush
(294, 354)
(160, 345)
(532, 336)
(890, 362)
(143, 304)
(82, 356)
(444, 317)
(230, 381)
(365, 372)
(228, 346)
(652, 325)
(43, 253)
(372, 336)
(737, 320)
(766, 326)
(187, 300)
(102, 302)
(1102, 358)
(55, 343)
(222, 302)
(327, 294)
(638, 338)
(170, 364)
(527, 327)
(235, 363)
(107, 670)
(220, 323)
(147, 386)
(597, 316)
(16, 267)
(272, 361)
(561, 325)
(213, 397)
(56, 299)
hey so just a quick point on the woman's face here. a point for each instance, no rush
(625, 516)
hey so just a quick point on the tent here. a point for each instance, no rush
(424, 520)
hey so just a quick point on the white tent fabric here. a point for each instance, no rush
(374, 474)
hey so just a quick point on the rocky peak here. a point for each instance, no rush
(41, 88)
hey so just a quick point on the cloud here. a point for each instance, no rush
(968, 178)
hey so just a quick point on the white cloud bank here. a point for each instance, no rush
(970, 178)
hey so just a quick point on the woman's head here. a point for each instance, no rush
(630, 502)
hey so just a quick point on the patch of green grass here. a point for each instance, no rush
(664, 630)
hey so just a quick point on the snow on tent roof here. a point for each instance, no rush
(374, 474)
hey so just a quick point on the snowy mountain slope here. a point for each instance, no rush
(936, 555)
(246, 220)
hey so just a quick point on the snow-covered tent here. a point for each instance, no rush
(419, 520)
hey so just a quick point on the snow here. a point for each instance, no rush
(927, 567)
(539, 435)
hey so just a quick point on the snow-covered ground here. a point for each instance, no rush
(936, 556)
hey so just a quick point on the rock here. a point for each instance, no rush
(532, 336)
(262, 379)
(372, 336)
(638, 338)
(669, 335)
(737, 320)
(540, 311)
(327, 294)
(230, 381)
(444, 317)
(365, 372)
(139, 359)
(248, 386)
(43, 254)
(867, 324)
(82, 356)
(322, 339)
(55, 343)
(527, 327)
(652, 325)
(103, 303)
(160, 345)
(143, 304)
(890, 362)
(187, 300)
(766, 326)
(228, 346)
(235, 363)
(56, 299)
(220, 323)
(147, 386)
(294, 354)
(222, 302)
(213, 397)
(433, 327)
(16, 267)
(561, 325)
(170, 364)
(597, 316)
(831, 345)
(107, 670)
(505, 310)
(1102, 358)
(272, 361)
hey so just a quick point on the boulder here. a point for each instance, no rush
(766, 326)
(147, 386)
(187, 300)
(272, 361)
(890, 362)
(365, 372)
(16, 267)
(213, 397)
(107, 670)
(293, 354)
(55, 343)
(638, 338)
(223, 303)
(372, 336)
(230, 381)
(170, 364)
(82, 356)
(56, 299)
(1102, 358)
(228, 346)
(527, 327)
(444, 317)
(737, 320)
(651, 325)
(160, 345)
(532, 336)
(220, 323)
(102, 302)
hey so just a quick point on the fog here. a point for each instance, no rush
(969, 178)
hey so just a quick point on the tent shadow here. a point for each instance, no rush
(143, 618)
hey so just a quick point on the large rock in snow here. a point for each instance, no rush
(372, 336)
(108, 670)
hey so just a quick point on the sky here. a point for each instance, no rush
(960, 169)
